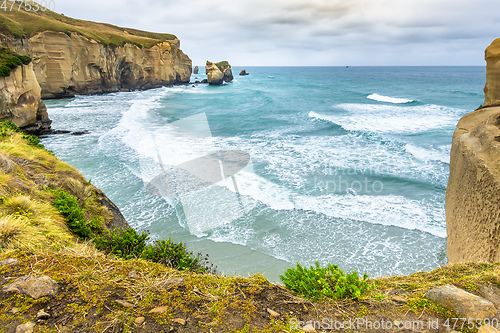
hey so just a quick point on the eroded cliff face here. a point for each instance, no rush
(473, 193)
(66, 65)
(492, 87)
(20, 100)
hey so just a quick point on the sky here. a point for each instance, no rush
(311, 32)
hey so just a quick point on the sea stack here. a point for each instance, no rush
(195, 70)
(472, 196)
(217, 73)
(244, 72)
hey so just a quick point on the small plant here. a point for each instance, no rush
(172, 254)
(68, 206)
(126, 245)
(324, 282)
(33, 140)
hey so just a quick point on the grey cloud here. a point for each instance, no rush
(314, 32)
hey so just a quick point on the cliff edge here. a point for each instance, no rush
(73, 56)
(472, 196)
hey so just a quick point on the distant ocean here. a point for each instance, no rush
(350, 165)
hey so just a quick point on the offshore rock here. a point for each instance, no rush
(214, 74)
(195, 70)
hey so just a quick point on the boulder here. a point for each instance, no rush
(195, 70)
(244, 72)
(214, 74)
(26, 328)
(34, 287)
(462, 303)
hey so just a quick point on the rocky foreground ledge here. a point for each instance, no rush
(85, 291)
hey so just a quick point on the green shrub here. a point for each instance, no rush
(10, 60)
(33, 140)
(126, 245)
(8, 125)
(24, 59)
(172, 254)
(324, 282)
(4, 71)
(130, 244)
(68, 206)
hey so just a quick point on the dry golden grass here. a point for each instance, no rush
(22, 24)
(27, 218)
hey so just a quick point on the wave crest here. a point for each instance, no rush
(388, 99)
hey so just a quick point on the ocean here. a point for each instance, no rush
(347, 166)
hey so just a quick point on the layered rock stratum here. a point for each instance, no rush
(69, 64)
(71, 56)
(473, 193)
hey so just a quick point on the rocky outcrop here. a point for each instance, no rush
(473, 193)
(20, 100)
(472, 196)
(492, 87)
(217, 73)
(225, 68)
(69, 64)
(462, 303)
(244, 72)
(195, 70)
(214, 74)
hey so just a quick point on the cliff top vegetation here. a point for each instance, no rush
(10, 60)
(25, 24)
(100, 291)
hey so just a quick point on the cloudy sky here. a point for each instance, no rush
(311, 32)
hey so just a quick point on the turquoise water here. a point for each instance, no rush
(348, 165)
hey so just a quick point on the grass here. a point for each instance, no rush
(33, 229)
(24, 24)
(9, 60)
(28, 219)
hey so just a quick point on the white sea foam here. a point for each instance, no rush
(391, 119)
(387, 99)
(424, 154)
(386, 210)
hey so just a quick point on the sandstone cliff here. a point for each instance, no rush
(66, 64)
(492, 87)
(473, 193)
(72, 56)
(20, 100)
